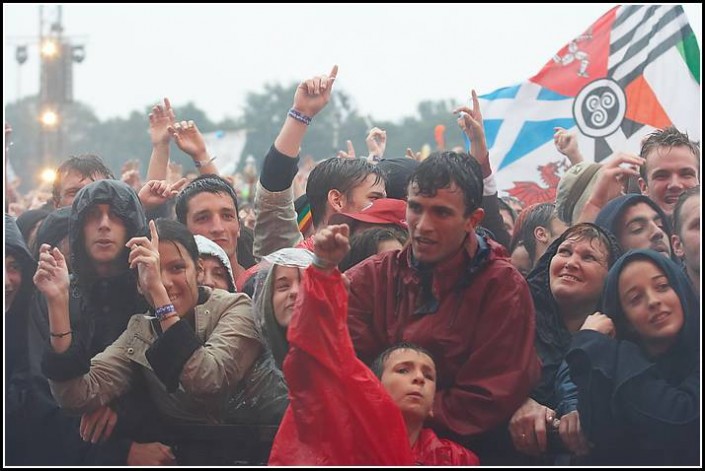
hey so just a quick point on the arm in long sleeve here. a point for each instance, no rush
(275, 218)
(109, 376)
(503, 367)
(210, 369)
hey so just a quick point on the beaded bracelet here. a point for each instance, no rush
(164, 311)
(298, 116)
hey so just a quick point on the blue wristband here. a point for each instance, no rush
(164, 311)
(298, 116)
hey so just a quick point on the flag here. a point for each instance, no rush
(634, 70)
(227, 147)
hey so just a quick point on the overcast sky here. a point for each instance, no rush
(390, 57)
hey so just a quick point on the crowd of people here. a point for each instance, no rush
(361, 311)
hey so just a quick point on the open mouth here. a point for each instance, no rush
(660, 317)
(570, 278)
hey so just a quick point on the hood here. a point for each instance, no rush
(15, 326)
(54, 227)
(273, 335)
(121, 198)
(208, 247)
(612, 307)
(610, 215)
(27, 220)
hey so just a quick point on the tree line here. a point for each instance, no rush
(117, 140)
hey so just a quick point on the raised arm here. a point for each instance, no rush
(190, 140)
(160, 119)
(275, 218)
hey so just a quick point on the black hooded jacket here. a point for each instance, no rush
(99, 310)
(637, 409)
(552, 337)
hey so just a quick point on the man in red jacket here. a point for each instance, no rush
(456, 294)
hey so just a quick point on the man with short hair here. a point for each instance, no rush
(537, 227)
(340, 413)
(455, 294)
(637, 222)
(672, 166)
(75, 173)
(335, 185)
(208, 206)
(686, 234)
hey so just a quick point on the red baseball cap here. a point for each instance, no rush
(381, 211)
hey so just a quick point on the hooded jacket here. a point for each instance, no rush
(637, 409)
(474, 315)
(54, 228)
(16, 363)
(264, 394)
(99, 310)
(610, 215)
(552, 337)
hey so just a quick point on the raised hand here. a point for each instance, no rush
(331, 244)
(189, 139)
(350, 154)
(312, 95)
(567, 144)
(410, 154)
(470, 121)
(376, 142)
(157, 192)
(52, 275)
(98, 425)
(160, 119)
(144, 255)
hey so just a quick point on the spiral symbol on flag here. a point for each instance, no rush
(599, 108)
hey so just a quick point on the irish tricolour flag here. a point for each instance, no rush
(634, 70)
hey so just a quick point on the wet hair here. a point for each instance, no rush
(503, 205)
(591, 232)
(669, 137)
(364, 244)
(173, 231)
(339, 174)
(677, 216)
(86, 165)
(378, 365)
(205, 183)
(536, 215)
(441, 169)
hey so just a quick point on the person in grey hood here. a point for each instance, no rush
(262, 399)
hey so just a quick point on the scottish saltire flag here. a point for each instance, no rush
(634, 70)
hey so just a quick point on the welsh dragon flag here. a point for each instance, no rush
(634, 70)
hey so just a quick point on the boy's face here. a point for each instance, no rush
(410, 378)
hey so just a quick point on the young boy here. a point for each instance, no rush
(340, 413)
(408, 373)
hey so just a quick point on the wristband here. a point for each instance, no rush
(321, 263)
(164, 312)
(298, 116)
(200, 164)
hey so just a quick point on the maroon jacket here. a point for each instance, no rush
(481, 334)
